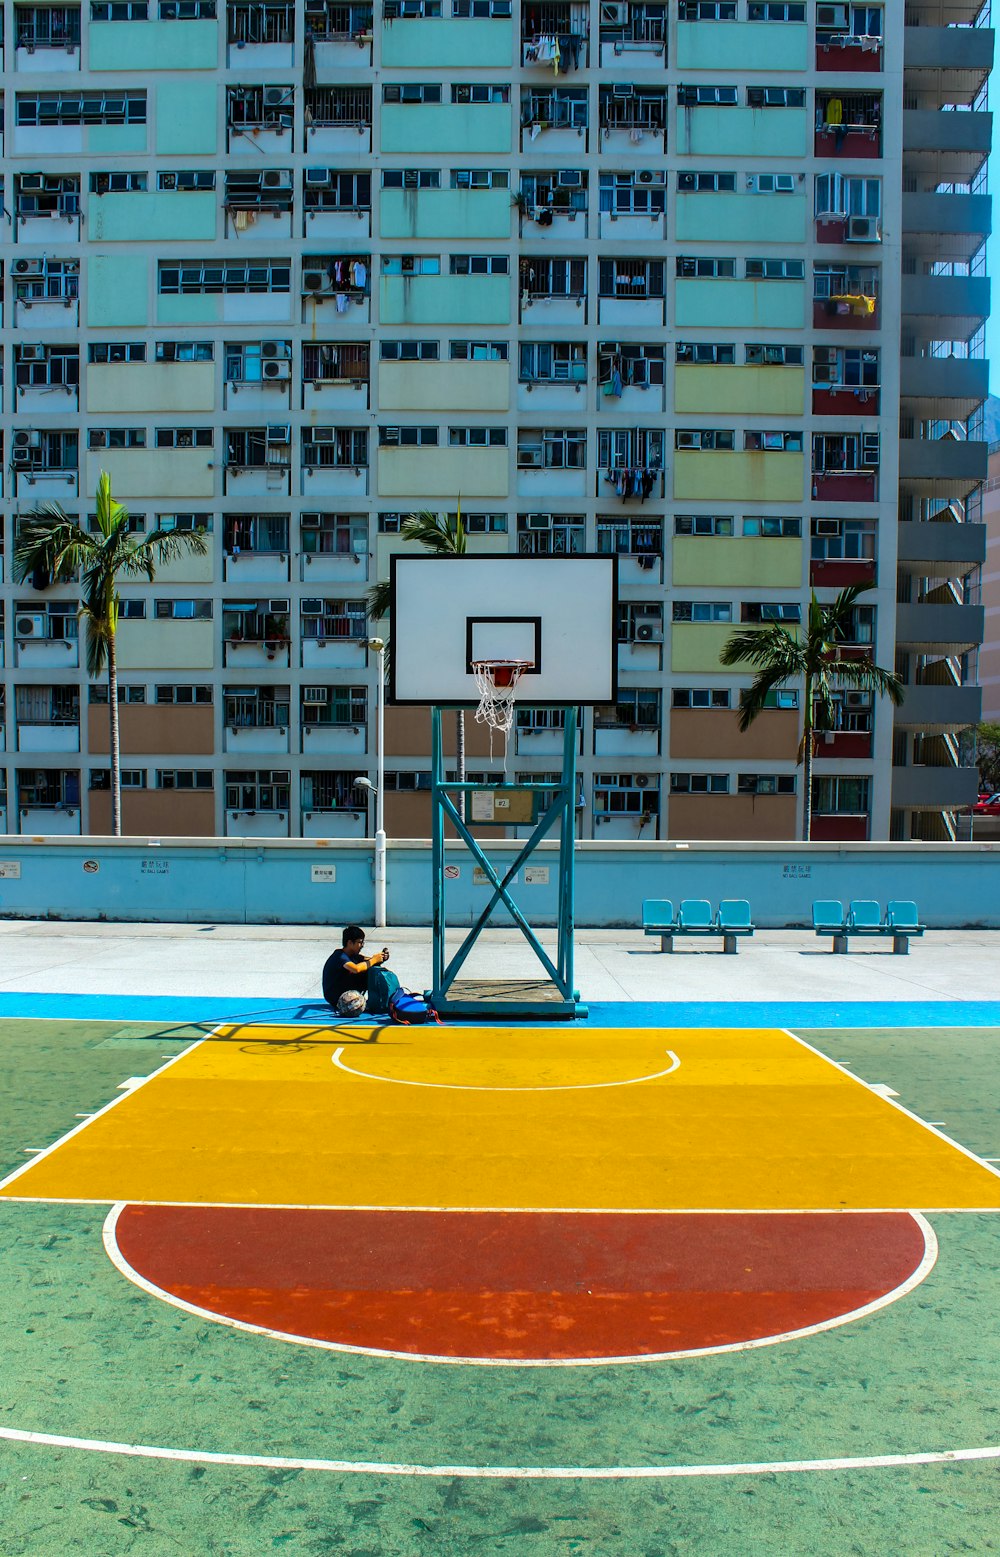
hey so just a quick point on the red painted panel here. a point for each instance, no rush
(520, 1285)
(844, 486)
(845, 743)
(848, 58)
(839, 829)
(830, 229)
(837, 573)
(845, 402)
(829, 315)
(850, 143)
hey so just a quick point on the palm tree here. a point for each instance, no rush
(780, 656)
(442, 536)
(53, 543)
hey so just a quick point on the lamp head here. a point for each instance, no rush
(376, 645)
(363, 783)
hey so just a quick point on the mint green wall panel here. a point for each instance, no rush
(741, 218)
(152, 216)
(114, 140)
(194, 309)
(740, 305)
(117, 289)
(447, 127)
(142, 46)
(445, 213)
(444, 300)
(451, 44)
(742, 132)
(742, 46)
(186, 113)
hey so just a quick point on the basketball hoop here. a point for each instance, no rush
(496, 683)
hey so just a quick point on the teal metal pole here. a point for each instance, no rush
(439, 917)
(567, 851)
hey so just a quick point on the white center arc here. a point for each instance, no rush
(454, 1086)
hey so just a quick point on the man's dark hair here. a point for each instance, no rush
(352, 932)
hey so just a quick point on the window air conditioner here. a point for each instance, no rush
(687, 440)
(614, 15)
(857, 699)
(315, 694)
(31, 626)
(313, 281)
(32, 183)
(824, 354)
(277, 606)
(647, 632)
(273, 371)
(827, 527)
(20, 456)
(277, 178)
(317, 178)
(26, 439)
(641, 781)
(312, 607)
(625, 90)
(529, 458)
(570, 178)
(277, 97)
(862, 229)
(685, 353)
(832, 17)
(279, 434)
(645, 177)
(271, 349)
(23, 267)
(324, 435)
(823, 372)
(538, 521)
(310, 521)
(32, 354)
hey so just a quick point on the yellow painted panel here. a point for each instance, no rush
(444, 386)
(153, 473)
(697, 645)
(123, 387)
(739, 391)
(646, 1119)
(705, 475)
(444, 473)
(738, 561)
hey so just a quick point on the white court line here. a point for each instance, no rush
(88, 1119)
(983, 1162)
(916, 1276)
(506, 1472)
(446, 1086)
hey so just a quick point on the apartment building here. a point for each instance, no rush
(699, 284)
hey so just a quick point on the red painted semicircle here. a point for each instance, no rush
(521, 1286)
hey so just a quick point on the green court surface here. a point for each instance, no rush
(734, 1452)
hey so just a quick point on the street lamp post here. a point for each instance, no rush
(377, 647)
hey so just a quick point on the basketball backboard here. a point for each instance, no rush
(559, 613)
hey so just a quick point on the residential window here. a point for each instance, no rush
(54, 195)
(774, 442)
(550, 535)
(706, 183)
(775, 97)
(770, 611)
(629, 448)
(715, 96)
(481, 8)
(116, 438)
(636, 365)
(116, 351)
(482, 524)
(185, 351)
(840, 795)
(771, 183)
(326, 534)
(637, 22)
(699, 783)
(333, 362)
(249, 21)
(48, 367)
(187, 10)
(626, 794)
(184, 437)
(702, 697)
(477, 437)
(478, 351)
(405, 781)
(551, 448)
(543, 277)
(784, 698)
(411, 92)
(335, 705)
(631, 278)
(481, 92)
(643, 193)
(479, 178)
(91, 107)
(334, 619)
(132, 610)
(842, 540)
(264, 789)
(774, 270)
(45, 451)
(412, 437)
(640, 621)
(703, 524)
(704, 438)
(255, 534)
(849, 367)
(561, 108)
(696, 266)
(765, 783)
(184, 778)
(346, 106)
(46, 280)
(118, 183)
(636, 707)
(769, 356)
(47, 26)
(771, 527)
(183, 610)
(119, 11)
(478, 265)
(338, 447)
(97, 694)
(325, 189)
(775, 11)
(553, 362)
(206, 276)
(185, 522)
(411, 265)
(245, 360)
(256, 708)
(638, 538)
(633, 108)
(530, 720)
(844, 194)
(702, 611)
(411, 178)
(707, 11)
(47, 705)
(845, 451)
(129, 778)
(252, 448)
(184, 696)
(251, 189)
(51, 789)
(412, 9)
(410, 351)
(701, 352)
(847, 288)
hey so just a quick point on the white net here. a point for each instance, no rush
(496, 683)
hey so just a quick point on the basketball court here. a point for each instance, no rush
(595, 1288)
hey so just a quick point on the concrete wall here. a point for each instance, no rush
(267, 881)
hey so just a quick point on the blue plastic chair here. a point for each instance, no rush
(901, 914)
(864, 917)
(695, 917)
(732, 920)
(828, 916)
(657, 915)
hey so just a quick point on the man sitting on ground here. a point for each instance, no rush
(348, 969)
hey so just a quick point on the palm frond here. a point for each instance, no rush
(766, 647)
(143, 557)
(753, 699)
(378, 601)
(49, 539)
(865, 676)
(436, 533)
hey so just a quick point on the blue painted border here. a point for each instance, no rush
(209, 1009)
